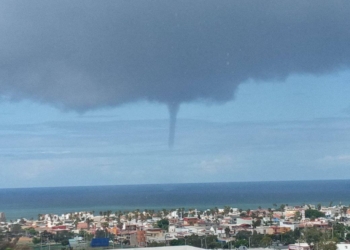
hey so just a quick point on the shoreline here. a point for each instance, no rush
(30, 202)
(59, 211)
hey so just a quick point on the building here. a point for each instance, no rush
(190, 221)
(82, 225)
(343, 246)
(155, 235)
(291, 225)
(141, 238)
(168, 248)
(278, 230)
(299, 246)
(244, 221)
(2, 217)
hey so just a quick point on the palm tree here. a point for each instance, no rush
(108, 214)
(282, 207)
(343, 211)
(297, 215)
(88, 221)
(271, 216)
(226, 209)
(136, 215)
(253, 215)
(227, 232)
(165, 212)
(142, 217)
(248, 211)
(212, 211)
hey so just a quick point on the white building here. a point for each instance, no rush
(168, 248)
(299, 246)
(291, 225)
(244, 221)
(2, 217)
(343, 246)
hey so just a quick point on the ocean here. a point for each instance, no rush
(29, 202)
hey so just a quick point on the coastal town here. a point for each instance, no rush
(302, 227)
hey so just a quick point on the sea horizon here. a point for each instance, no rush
(174, 183)
(29, 202)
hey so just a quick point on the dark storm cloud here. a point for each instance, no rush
(88, 54)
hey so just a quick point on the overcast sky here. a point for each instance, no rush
(261, 88)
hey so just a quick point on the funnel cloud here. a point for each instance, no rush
(173, 110)
(85, 55)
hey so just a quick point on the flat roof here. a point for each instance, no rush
(167, 248)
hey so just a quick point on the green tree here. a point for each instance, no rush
(312, 235)
(343, 213)
(339, 230)
(179, 242)
(100, 233)
(155, 244)
(227, 232)
(62, 237)
(327, 245)
(290, 237)
(265, 241)
(347, 237)
(297, 216)
(226, 209)
(243, 235)
(255, 239)
(282, 207)
(31, 231)
(241, 242)
(210, 241)
(16, 228)
(256, 223)
(163, 224)
(36, 240)
(313, 213)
